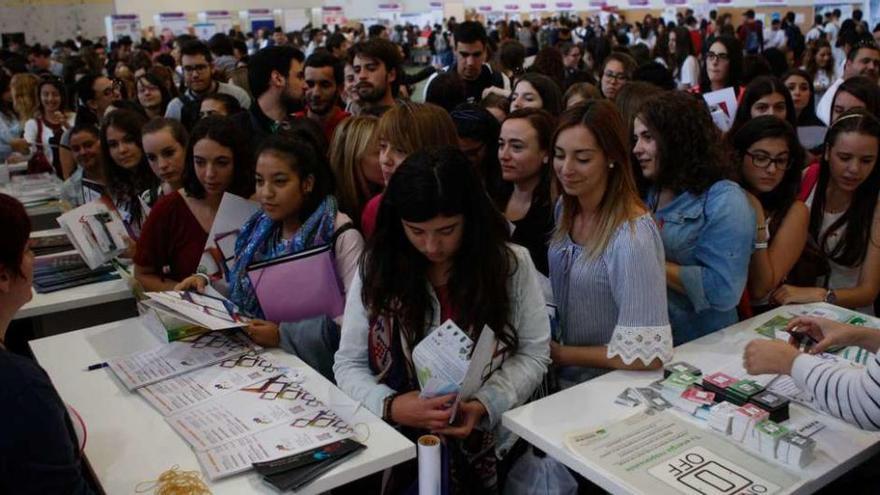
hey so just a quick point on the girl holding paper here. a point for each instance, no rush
(723, 67)
(293, 186)
(606, 251)
(216, 161)
(440, 252)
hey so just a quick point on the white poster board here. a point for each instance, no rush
(176, 23)
(221, 19)
(122, 25)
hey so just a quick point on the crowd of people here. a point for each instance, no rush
(557, 161)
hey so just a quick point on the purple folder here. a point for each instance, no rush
(298, 286)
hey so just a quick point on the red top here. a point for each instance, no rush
(369, 216)
(447, 312)
(172, 240)
(329, 125)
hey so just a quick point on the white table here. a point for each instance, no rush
(77, 307)
(591, 404)
(129, 442)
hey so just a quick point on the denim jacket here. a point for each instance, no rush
(711, 236)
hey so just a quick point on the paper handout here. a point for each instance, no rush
(213, 312)
(447, 362)
(219, 252)
(722, 106)
(96, 231)
(179, 357)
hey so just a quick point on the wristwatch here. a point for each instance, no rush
(386, 408)
(831, 297)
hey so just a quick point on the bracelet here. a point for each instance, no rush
(386, 407)
(761, 245)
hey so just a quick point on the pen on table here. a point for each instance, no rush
(97, 366)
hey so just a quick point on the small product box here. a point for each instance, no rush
(679, 382)
(718, 383)
(773, 403)
(721, 416)
(681, 367)
(740, 392)
(798, 449)
(769, 434)
(744, 420)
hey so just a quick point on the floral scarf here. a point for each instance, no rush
(260, 239)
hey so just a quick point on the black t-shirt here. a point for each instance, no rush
(533, 232)
(38, 449)
(473, 90)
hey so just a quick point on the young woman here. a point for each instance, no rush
(771, 162)
(681, 60)
(40, 450)
(524, 150)
(152, 95)
(606, 250)
(43, 132)
(219, 104)
(616, 71)
(821, 67)
(131, 184)
(707, 225)
(86, 183)
(534, 90)
(800, 86)
(723, 66)
(298, 212)
(11, 142)
(175, 233)
(404, 129)
(765, 95)
(354, 161)
(497, 105)
(844, 218)
(478, 132)
(164, 143)
(439, 227)
(856, 92)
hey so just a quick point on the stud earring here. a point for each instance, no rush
(611, 165)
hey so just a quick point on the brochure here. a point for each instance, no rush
(219, 253)
(722, 106)
(96, 231)
(213, 312)
(185, 391)
(176, 358)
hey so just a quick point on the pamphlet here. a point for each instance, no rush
(658, 453)
(722, 106)
(252, 409)
(213, 312)
(176, 358)
(185, 391)
(96, 231)
(219, 253)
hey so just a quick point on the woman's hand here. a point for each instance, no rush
(557, 353)
(469, 414)
(20, 146)
(428, 414)
(789, 294)
(826, 333)
(193, 282)
(264, 333)
(769, 356)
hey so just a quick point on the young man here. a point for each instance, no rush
(751, 33)
(862, 60)
(471, 52)
(275, 75)
(775, 37)
(196, 60)
(338, 45)
(376, 66)
(323, 77)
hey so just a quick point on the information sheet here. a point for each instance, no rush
(656, 452)
(182, 392)
(182, 356)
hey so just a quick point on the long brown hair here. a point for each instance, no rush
(351, 141)
(620, 202)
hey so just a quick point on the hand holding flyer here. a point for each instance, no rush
(96, 231)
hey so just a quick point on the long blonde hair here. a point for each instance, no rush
(25, 100)
(410, 126)
(620, 203)
(352, 139)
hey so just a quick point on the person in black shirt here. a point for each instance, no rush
(471, 53)
(39, 452)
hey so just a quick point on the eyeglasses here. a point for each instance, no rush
(761, 160)
(619, 77)
(721, 57)
(195, 68)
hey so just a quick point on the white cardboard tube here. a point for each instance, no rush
(429, 465)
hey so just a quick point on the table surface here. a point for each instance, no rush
(591, 404)
(75, 297)
(129, 442)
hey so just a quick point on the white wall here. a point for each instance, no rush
(45, 22)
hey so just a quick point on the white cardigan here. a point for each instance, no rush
(508, 387)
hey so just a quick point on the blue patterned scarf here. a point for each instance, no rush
(260, 239)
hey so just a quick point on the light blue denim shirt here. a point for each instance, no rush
(711, 236)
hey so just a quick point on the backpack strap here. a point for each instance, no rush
(341, 230)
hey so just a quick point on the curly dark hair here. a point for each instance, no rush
(691, 153)
(431, 182)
